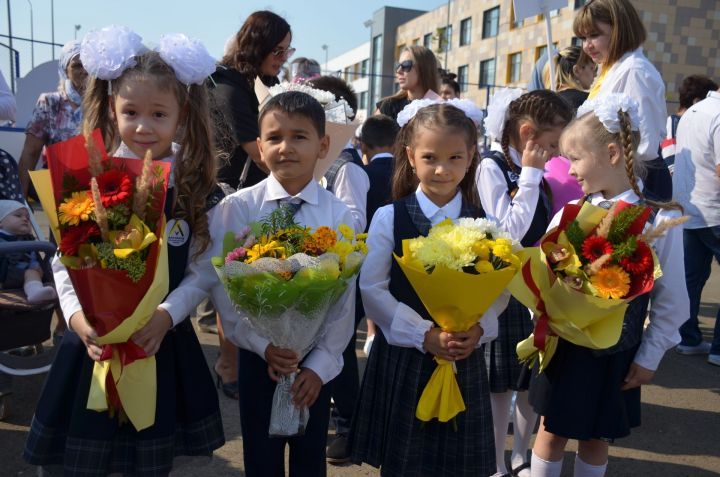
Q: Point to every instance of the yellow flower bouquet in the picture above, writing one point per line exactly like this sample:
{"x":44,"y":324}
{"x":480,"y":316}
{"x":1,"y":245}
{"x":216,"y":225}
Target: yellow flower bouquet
{"x":580,"y":279}
{"x":457,"y":271}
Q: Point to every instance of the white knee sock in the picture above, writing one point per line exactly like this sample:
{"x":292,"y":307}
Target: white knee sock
{"x":583,"y":469}
{"x":500,"y":403}
{"x":37,"y":293}
{"x":544,"y":468}
{"x":523,"y":425}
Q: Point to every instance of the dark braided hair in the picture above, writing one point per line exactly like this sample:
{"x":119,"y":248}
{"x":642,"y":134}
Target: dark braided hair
{"x":545,"y":109}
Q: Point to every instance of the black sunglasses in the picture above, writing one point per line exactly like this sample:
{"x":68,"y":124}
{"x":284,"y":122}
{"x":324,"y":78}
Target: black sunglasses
{"x":404,"y":66}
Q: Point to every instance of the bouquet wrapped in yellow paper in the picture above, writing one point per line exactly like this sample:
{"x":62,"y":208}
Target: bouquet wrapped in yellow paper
{"x":457,"y":271}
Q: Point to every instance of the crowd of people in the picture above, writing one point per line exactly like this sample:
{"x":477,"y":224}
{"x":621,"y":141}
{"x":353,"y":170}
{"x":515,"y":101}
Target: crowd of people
{"x":603,"y":135}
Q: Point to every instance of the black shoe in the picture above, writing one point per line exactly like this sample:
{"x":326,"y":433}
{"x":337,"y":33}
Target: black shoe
{"x":338,"y":452}
{"x":208,"y":324}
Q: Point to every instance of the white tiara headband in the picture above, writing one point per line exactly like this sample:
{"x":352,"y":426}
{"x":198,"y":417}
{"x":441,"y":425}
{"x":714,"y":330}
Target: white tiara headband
{"x":497,"y":111}
{"x":607,"y":108}
{"x":465,"y":105}
{"x":187,"y":57}
{"x":107,"y":52}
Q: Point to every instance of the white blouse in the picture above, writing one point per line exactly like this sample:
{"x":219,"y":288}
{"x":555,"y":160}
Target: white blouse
{"x":401,"y":325}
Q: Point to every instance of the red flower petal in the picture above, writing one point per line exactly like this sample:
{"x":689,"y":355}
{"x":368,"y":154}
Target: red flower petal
{"x":73,"y":237}
{"x":115,"y":187}
{"x":639,"y":262}
{"x":595,"y":247}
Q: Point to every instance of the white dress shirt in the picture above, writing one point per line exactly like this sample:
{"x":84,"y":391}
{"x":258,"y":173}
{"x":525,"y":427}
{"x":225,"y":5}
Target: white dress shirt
{"x":381,"y":155}
{"x":401,"y":325}
{"x":515,"y":215}
{"x":634,"y":75}
{"x":234,"y":212}
{"x":351,"y":187}
{"x":696,"y":184}
{"x":669,"y":303}
{"x":66,"y":293}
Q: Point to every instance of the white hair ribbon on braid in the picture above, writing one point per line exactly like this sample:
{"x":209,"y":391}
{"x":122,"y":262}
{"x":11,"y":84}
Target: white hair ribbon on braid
{"x":497,"y":111}
{"x":607,"y":108}
{"x":187,"y":57}
{"x":465,"y":105}
{"x":107,"y":52}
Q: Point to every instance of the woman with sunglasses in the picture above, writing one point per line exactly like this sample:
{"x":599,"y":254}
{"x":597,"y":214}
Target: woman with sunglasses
{"x":416,"y":74}
{"x":259,"y":49}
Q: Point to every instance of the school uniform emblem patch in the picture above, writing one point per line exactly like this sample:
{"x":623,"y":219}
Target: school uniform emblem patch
{"x":178,"y":232}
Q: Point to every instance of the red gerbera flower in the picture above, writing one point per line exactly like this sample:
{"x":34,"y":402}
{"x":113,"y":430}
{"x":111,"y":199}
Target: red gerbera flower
{"x":115,"y":187}
{"x":595,"y":247}
{"x":639,"y":262}
{"x":73,"y":237}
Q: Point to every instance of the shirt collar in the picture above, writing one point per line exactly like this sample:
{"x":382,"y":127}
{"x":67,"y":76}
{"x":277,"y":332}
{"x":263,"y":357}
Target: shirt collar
{"x":514,"y":154}
{"x":713,"y":94}
{"x":381,"y":155}
{"x":436,"y":214}
{"x":628,"y":196}
{"x":124,"y":151}
{"x":274,"y":191}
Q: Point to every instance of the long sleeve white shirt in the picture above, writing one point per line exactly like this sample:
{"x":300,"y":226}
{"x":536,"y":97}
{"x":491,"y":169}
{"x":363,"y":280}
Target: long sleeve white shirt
{"x":669,"y":303}
{"x":634,"y":75}
{"x":237,"y":210}
{"x":513,"y":214}
{"x":351,"y":187}
{"x":401,"y":325}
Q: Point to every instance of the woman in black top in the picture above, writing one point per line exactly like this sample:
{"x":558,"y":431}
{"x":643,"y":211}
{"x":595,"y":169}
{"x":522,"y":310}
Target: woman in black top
{"x":574,"y":73}
{"x":416,"y":74}
{"x":259,"y":49}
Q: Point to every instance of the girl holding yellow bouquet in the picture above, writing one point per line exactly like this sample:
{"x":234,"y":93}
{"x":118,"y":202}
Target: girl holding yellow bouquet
{"x":594,"y":395}
{"x":140,"y":100}
{"x":433,"y":181}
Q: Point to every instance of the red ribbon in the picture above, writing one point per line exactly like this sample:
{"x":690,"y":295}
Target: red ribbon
{"x":542,"y":325}
{"x":128,"y":352}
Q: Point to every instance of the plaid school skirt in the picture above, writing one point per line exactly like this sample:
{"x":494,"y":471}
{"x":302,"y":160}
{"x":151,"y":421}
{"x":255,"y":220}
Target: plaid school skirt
{"x":385,"y":432}
{"x":90,"y":443}
{"x":504,"y":370}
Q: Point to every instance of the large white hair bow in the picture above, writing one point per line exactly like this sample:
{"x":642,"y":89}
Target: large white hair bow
{"x":107,"y":52}
{"x":606,"y":109}
{"x":187,"y":57}
{"x":497,"y":111}
{"x":465,"y":105}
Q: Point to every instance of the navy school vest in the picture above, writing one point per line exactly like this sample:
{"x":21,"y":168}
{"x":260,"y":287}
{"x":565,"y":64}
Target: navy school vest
{"x":409,"y":222}
{"x":543,"y":209}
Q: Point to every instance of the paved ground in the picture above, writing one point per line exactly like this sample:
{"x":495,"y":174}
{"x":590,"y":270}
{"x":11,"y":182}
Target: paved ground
{"x":679,"y":435}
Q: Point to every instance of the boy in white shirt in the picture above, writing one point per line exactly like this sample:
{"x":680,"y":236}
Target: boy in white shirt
{"x":292,"y":139}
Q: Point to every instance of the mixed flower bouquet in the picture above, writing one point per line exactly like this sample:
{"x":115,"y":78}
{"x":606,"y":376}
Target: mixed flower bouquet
{"x":283,"y":278}
{"x":447,"y":269}
{"x":579,"y":281}
{"x":338,"y":124}
{"x":109,"y":226}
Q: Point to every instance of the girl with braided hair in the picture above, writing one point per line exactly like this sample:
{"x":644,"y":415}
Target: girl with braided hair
{"x":526,"y":130}
{"x":594,"y":395}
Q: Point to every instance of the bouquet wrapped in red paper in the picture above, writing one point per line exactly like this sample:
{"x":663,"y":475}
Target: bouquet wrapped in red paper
{"x":107,"y":215}
{"x":580,"y":279}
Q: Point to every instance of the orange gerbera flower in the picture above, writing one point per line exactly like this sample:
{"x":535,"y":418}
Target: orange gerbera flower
{"x":76,"y":208}
{"x":611,"y":282}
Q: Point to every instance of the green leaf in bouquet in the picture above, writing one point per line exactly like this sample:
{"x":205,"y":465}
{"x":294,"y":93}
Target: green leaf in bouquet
{"x":229,"y":244}
{"x":625,"y":249}
{"x":316,"y":293}
{"x":262,"y":293}
{"x":575,"y":234}
{"x":118,"y":216}
{"x":623,"y":221}
{"x":352,"y":264}
{"x":217,"y":261}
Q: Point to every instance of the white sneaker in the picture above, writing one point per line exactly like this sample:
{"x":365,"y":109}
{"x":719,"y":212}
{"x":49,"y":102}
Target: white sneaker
{"x":368,"y":345}
{"x":714,"y":359}
{"x":702,"y":348}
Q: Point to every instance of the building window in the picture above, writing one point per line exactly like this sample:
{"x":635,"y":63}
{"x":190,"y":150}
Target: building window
{"x":445,"y":35}
{"x":487,"y":72}
{"x":491,"y":22}
{"x":580,"y":3}
{"x":514,"y":67}
{"x":348,"y":75}
{"x":465,"y":31}
{"x":541,"y":51}
{"x":463,"y":77}
{"x":416,"y":41}
{"x":362,"y":101}
{"x":364,"y":68}
{"x":427,"y":41}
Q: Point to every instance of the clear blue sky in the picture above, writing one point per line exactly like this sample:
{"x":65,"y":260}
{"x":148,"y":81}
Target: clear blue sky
{"x":338,"y":23}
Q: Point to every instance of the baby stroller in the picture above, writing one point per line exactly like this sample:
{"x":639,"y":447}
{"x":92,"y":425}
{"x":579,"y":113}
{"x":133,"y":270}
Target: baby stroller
{"x":22,"y":324}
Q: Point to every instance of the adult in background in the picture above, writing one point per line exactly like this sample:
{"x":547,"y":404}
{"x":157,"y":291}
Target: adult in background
{"x":304,"y":69}
{"x":612,"y":35}
{"x":696,"y":182}
{"x":574,"y":74}
{"x":693,"y":88}
{"x":259,"y":49}
{"x":416,"y":73}
{"x":57,"y":115}
{"x":449,"y":88}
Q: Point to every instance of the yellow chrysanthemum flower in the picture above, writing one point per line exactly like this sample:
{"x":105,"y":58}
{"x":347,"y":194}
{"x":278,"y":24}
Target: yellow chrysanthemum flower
{"x":346,"y":232}
{"x":611,"y":282}
{"x":502,"y":248}
{"x":481,"y":249}
{"x":75,"y":209}
{"x":342,"y":249}
{"x":361,"y":247}
{"x":361,"y":236}
{"x":265,"y":249}
{"x":483,"y":266}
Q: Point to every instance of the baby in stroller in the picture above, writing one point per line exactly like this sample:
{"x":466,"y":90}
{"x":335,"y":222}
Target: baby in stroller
{"x":21,"y":269}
